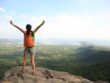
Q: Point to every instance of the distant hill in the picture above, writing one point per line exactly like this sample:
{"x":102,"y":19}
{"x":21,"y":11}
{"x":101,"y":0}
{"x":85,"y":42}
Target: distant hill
{"x":97,"y":60}
{"x":52,"y":41}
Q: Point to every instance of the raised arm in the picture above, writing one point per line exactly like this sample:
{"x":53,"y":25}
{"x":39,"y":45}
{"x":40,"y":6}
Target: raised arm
{"x":11,"y":22}
{"x":39,"y":26}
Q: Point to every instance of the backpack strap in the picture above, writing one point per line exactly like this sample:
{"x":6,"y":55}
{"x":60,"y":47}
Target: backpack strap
{"x":33,"y":34}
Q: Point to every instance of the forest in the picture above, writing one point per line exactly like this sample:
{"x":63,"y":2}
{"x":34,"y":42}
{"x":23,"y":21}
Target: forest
{"x":91,"y":61}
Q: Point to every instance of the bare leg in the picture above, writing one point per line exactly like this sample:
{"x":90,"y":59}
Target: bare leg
{"x":24,"y":62}
{"x":33,"y":63}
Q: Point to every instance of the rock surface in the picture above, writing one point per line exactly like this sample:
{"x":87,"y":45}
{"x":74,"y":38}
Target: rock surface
{"x":42,"y":75}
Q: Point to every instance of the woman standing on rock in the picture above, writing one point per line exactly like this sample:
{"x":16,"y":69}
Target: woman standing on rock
{"x":29,"y":44}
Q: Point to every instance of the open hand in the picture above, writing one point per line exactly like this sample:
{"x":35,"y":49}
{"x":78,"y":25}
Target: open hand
{"x":43,"y":21}
{"x":11,"y":22}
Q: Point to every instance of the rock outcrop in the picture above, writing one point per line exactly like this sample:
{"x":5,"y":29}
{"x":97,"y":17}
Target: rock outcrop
{"x":42,"y":75}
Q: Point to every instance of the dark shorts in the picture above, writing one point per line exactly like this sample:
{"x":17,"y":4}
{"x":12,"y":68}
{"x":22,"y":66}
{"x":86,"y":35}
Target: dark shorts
{"x":29,"y":50}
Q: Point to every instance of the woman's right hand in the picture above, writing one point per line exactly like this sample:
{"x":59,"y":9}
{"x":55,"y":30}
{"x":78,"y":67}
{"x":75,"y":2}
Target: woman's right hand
{"x":11,"y":22}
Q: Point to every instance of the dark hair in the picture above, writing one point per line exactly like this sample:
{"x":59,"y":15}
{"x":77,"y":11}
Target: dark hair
{"x":28,"y":27}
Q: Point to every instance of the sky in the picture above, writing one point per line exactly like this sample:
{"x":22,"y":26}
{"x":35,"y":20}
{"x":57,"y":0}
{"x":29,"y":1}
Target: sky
{"x":65,"y":19}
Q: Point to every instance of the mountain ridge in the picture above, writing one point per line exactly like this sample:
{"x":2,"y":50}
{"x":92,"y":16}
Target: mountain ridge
{"x":42,"y":75}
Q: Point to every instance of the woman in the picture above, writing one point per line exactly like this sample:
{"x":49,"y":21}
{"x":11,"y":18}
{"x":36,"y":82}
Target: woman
{"x":29,"y":44}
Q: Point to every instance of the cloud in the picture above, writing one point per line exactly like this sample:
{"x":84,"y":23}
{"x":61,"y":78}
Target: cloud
{"x":43,"y":17}
{"x":69,"y":26}
{"x":8,"y":17}
{"x":2,"y":9}
{"x":81,"y":27}
{"x":24,"y":17}
{"x":34,"y":18}
{"x":12,"y":12}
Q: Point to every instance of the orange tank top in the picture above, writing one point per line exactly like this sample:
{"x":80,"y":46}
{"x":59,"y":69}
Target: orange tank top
{"x":28,"y":40}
